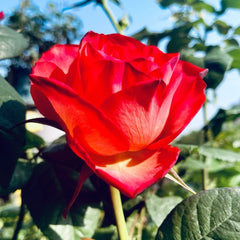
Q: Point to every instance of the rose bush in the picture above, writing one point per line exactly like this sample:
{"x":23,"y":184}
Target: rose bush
{"x":120,"y":103}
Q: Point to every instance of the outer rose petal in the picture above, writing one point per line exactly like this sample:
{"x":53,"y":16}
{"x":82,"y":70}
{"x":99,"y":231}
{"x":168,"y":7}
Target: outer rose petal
{"x":132,"y":172}
{"x":186,"y":102}
{"x":82,"y":121}
{"x":48,"y":70}
{"x":61,"y":55}
{"x":115,"y":45}
{"x":132,"y":51}
{"x":146,"y":59}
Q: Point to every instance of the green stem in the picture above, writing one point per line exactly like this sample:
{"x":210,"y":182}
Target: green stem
{"x":206,"y":138}
{"x":118,"y":211}
{"x":19,"y":222}
{"x":110,"y":15}
{"x":205,"y":178}
{"x":141,"y":223}
{"x":205,"y":118}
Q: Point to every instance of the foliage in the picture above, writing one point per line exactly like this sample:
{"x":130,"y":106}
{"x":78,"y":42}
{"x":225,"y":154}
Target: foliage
{"x":47,"y":174}
{"x":42,"y":30}
{"x":195,"y":23}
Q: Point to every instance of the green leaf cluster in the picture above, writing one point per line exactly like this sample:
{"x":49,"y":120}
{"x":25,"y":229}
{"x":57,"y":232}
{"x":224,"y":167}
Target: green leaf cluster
{"x":195,"y":24}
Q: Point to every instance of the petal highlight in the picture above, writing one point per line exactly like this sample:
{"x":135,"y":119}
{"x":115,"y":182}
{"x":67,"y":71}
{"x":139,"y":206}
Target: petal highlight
{"x":136,"y":112}
{"x":133,"y":172}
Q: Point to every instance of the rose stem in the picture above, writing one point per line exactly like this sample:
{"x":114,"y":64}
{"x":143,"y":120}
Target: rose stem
{"x":206,"y":138}
{"x":118,"y":211}
{"x":110,"y":15}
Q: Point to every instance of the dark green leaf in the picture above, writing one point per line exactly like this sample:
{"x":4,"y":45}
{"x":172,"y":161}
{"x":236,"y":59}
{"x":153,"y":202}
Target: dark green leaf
{"x":12,"y":43}
{"x":200,"y":5}
{"x":230,"y":4}
{"x":200,"y":47}
{"x":179,"y":38}
{"x":192,"y":59}
{"x":105,"y":233}
{"x":166,"y":3}
{"x":12,"y":140}
{"x":176,"y":44}
{"x":21,"y":175}
{"x":218,"y":61}
{"x":131,"y":203}
{"x":222,"y":27}
{"x":221,"y":117}
{"x":158,"y":208}
{"x":47,"y":194}
{"x":212,"y":214}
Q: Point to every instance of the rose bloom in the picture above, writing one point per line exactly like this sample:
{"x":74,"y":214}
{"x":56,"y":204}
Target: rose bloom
{"x":121,"y":103}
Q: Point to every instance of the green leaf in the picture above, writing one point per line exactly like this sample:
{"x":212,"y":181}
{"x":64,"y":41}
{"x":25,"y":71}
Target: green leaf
{"x":33,"y":140}
{"x":166,"y":3}
{"x":218,"y":61}
{"x":231,"y":44}
{"x":12,"y":43}
{"x":237,"y":30}
{"x":177,"y":43}
{"x":221,"y":117}
{"x":221,"y":154}
{"x":230,"y":4}
{"x":131,"y":203}
{"x":187,"y":149}
{"x":200,"y":5}
{"x":188,"y":55}
{"x":105,"y":233}
{"x":212,"y":214}
{"x":158,"y":208}
{"x":235,"y":54}
{"x":47,"y":194}
{"x":222,"y":27}
{"x":12,"y":140}
{"x":21,"y":175}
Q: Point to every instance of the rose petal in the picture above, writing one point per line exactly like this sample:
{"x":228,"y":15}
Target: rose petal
{"x":61,"y":55}
{"x":104,"y":75}
{"x":115,"y":45}
{"x":136,"y":112}
{"x":157,"y":64}
{"x":186,"y":102}
{"x":87,"y":125}
{"x":49,"y":70}
{"x":84,"y":174}
{"x":132,"y":172}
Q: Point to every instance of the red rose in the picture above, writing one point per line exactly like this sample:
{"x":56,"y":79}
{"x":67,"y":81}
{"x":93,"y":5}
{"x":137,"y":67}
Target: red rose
{"x":120,"y":103}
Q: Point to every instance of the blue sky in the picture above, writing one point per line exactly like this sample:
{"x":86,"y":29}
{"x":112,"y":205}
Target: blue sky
{"x":145,"y":13}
